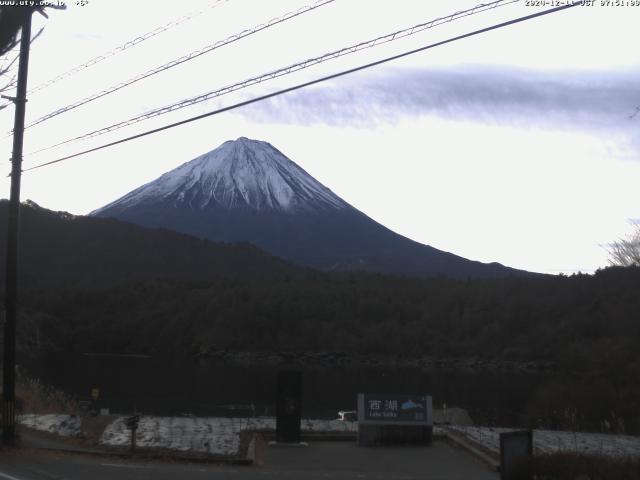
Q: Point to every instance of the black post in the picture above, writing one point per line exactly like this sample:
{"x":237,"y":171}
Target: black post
{"x":288,"y":406}
{"x":133,"y":438}
{"x":11,"y":289}
{"x":132,"y":424}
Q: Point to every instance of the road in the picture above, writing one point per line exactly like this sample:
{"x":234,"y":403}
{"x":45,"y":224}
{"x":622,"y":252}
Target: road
{"x":321,"y":460}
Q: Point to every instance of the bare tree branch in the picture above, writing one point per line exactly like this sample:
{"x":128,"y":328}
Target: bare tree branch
{"x":626,"y":251}
{"x":11,"y":83}
{"x":4,"y":69}
{"x":12,"y":17}
{"x":36,"y":35}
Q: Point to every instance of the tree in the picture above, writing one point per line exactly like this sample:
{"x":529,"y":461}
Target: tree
{"x":626,"y":251}
{"x":12,"y":17}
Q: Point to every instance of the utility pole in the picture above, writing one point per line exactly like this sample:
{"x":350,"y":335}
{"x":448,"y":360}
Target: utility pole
{"x":11,"y":284}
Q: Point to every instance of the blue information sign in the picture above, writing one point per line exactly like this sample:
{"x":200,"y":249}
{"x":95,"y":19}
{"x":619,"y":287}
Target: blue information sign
{"x":394,"y":408}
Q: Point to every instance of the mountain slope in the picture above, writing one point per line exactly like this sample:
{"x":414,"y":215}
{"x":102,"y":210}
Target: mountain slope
{"x":246,"y":190}
{"x":60,"y":249}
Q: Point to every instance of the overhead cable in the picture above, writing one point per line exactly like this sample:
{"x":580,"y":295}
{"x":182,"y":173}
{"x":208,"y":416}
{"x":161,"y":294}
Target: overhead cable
{"x":306,"y":84}
{"x":125,"y":46}
{"x":181,"y":60}
{"x":287,"y":70}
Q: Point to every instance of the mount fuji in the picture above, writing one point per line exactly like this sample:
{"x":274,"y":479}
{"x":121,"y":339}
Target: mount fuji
{"x":247,"y":190}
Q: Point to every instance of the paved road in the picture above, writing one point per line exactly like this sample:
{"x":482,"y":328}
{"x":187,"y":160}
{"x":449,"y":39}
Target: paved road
{"x":321,"y":460}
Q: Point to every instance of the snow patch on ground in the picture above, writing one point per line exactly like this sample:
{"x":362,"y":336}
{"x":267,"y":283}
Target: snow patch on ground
{"x":217,"y":436}
{"x":328,"y":426}
{"x":213,"y":435}
{"x":268,"y":424}
{"x":549,"y":441}
{"x":63,"y":425}
{"x":221,"y":436}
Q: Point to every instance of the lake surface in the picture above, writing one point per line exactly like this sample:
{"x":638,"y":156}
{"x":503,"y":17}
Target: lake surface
{"x":214,"y":387}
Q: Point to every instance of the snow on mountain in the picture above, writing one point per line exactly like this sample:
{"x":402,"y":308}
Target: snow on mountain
{"x":240,"y":174}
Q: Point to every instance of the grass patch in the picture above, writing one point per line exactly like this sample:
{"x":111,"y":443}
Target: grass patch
{"x":33,"y":396}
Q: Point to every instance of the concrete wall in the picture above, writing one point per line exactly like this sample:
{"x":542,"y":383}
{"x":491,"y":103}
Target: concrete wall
{"x":372,"y":435}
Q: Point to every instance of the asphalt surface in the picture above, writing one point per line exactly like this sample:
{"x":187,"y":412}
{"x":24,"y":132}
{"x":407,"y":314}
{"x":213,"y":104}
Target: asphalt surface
{"x":320,"y":460}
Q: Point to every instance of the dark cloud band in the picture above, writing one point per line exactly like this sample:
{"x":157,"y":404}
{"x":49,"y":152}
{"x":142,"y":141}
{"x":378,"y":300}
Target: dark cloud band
{"x":573,"y":100}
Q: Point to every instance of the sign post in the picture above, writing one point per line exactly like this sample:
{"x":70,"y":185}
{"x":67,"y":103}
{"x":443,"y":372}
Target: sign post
{"x":95,"y":395}
{"x":385,"y":419}
{"x":132,"y":424}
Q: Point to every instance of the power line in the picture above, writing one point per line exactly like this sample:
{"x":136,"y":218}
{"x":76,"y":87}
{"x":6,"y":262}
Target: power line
{"x":309,"y":83}
{"x":183,"y":59}
{"x":125,"y":46}
{"x":287,"y":70}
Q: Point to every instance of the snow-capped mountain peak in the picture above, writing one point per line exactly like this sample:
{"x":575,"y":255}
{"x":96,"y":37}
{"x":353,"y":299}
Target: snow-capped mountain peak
{"x":247,"y":191}
{"x":242,"y":173}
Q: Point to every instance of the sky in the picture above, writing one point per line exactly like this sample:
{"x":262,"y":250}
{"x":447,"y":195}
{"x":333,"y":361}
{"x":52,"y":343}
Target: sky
{"x":518,"y":146}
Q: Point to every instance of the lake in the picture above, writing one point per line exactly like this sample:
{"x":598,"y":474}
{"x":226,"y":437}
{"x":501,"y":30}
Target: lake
{"x":215,"y":387}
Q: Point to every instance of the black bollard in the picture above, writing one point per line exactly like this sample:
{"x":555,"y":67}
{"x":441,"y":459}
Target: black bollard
{"x":288,"y":406}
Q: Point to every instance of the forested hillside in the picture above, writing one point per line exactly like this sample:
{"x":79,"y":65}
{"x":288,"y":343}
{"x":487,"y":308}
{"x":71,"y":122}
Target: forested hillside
{"x":58,"y":249}
{"x":98,"y":285}
{"x":587,"y":325}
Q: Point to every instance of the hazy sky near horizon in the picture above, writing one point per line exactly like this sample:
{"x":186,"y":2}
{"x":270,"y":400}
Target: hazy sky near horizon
{"x":518,"y":146}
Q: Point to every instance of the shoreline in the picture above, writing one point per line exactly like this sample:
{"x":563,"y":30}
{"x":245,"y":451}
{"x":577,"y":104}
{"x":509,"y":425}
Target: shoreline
{"x":342,"y":359}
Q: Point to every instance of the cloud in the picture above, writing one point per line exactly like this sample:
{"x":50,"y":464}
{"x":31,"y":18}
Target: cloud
{"x":595,"y":101}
